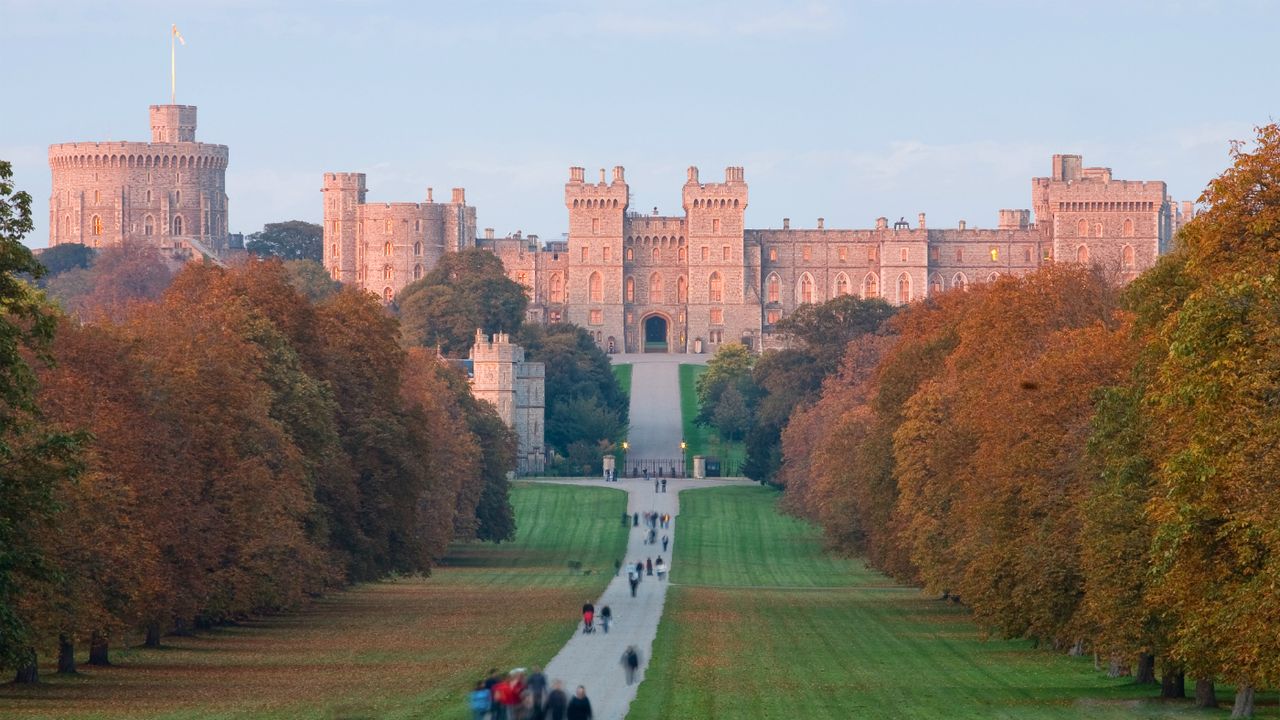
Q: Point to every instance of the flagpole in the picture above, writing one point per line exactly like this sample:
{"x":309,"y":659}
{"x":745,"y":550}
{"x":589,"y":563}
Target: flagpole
{"x":173,"y":68}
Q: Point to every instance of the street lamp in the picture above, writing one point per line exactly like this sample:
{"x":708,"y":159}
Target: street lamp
{"x":625,"y":446}
{"x":683,"y":468}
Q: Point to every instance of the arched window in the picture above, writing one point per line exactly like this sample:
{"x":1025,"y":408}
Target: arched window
{"x":655,"y":288}
{"x":1082,"y":228}
{"x":959,"y":281}
{"x":629,"y":287}
{"x":682,"y":289}
{"x":1082,"y":254}
{"x":149,"y":226}
{"x":1128,"y":227}
{"x":1097,"y":230}
{"x":596,"y":287}
{"x":386,"y":273}
{"x":715,"y":288}
{"x":177,"y":198}
{"x":993,"y":277}
{"x":806,"y":289}
{"x":682,"y":254}
{"x":387,"y":295}
{"x":386,"y":248}
{"x":177,"y":225}
{"x":870,"y":286}
{"x":631,"y":255}
{"x":904,"y":288}
{"x":1126,"y":257}
{"x":557,"y":289}
{"x":773,"y":254}
{"x":96,"y":224}
{"x":657,"y":253}
{"x":417,"y":272}
{"x":772,"y":288}
{"x":935,"y":284}
{"x":417,"y":249}
{"x":842,"y":285}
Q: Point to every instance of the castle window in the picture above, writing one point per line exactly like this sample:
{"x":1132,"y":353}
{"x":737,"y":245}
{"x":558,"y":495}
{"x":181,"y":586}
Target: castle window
{"x":655,"y":288}
{"x":715,"y":226}
{"x":682,"y":290}
{"x":597,"y":317}
{"x":584,"y":253}
{"x":706,"y":253}
{"x":714,"y":287}
{"x":806,"y":289}
{"x":724,"y":252}
{"x":772,"y":288}
{"x":417,"y":249}
{"x":717,"y":316}
{"x":1097,"y":230}
{"x":522,"y":277}
{"x":843,"y":253}
{"x":959,"y":255}
{"x":1128,"y":227}
{"x":417,"y":225}
{"x":97,"y":197}
{"x":177,"y":194}
{"x":386,"y":273}
{"x":870,"y":286}
{"x":630,"y":286}
{"x":1126,"y":257}
{"x":417,"y":272}
{"x":148,"y":226}
{"x":1082,"y":254}
{"x":1047,"y":254}
{"x":631,"y":254}
{"x":606,"y":253}
{"x":596,"y":287}
{"x":148,"y":197}
{"x":773,"y":254}
{"x":959,"y":281}
{"x":386,"y":249}
{"x":557,"y":289}
{"x":772,"y":316}
{"x":995,"y":254}
{"x":595,"y":226}
{"x":387,"y":294}
{"x":387,"y":226}
{"x":681,"y":254}
{"x":807,"y":253}
{"x":904,"y":288}
{"x":1082,"y":228}
{"x":96,"y":225}
{"x":657,"y":254}
{"x":177,"y":225}
{"x":842,"y":285}
{"x":935,"y":285}
{"x":333,"y":249}
{"x":1026,"y":255}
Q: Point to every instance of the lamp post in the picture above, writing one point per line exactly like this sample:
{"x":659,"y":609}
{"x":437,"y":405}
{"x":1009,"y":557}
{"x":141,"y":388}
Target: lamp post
{"x":625,"y":445}
{"x":684,"y":470}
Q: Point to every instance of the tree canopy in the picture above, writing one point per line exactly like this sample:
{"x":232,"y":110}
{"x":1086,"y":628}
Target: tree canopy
{"x":289,"y":240}
{"x":467,"y":290}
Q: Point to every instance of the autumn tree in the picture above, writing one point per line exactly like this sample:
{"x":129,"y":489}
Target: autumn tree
{"x":467,"y":291}
{"x":289,"y":240}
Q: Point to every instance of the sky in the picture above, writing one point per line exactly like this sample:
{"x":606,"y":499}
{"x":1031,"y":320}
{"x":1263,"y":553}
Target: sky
{"x":842,"y":110}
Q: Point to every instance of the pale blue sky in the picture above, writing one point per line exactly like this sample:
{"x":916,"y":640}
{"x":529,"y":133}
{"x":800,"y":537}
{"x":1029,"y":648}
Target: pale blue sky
{"x":846,"y":110}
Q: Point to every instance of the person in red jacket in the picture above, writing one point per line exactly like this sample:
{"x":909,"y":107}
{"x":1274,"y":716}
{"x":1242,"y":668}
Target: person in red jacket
{"x":588,"y":614}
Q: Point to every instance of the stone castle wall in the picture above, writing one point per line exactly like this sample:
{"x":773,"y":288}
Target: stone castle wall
{"x":516,"y":388}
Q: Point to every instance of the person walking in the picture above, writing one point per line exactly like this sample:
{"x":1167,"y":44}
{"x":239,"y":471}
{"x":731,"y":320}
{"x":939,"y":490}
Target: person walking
{"x":664,"y":484}
{"x":480,"y":700}
{"x":648,"y":566}
{"x":631,"y":663}
{"x":633,"y":579}
{"x":635,"y":520}
{"x":606,"y":617}
{"x":661,"y":568}
{"x":557,"y":701}
{"x":665,"y":539}
{"x":579,"y":706}
{"x":537,"y":687}
{"x":655,"y":486}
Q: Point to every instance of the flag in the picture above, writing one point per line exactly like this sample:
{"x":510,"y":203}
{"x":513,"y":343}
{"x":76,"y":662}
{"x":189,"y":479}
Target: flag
{"x":178,"y":35}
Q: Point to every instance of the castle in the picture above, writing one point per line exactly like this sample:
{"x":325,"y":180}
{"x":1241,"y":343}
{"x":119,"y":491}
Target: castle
{"x":691,"y":282}
{"x":169,"y":193}
{"x":501,"y":376}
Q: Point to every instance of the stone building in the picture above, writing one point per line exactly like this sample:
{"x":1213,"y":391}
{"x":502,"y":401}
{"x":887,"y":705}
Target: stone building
{"x":501,"y":376}
{"x":169,"y":193}
{"x":691,"y":282}
{"x":383,"y":247}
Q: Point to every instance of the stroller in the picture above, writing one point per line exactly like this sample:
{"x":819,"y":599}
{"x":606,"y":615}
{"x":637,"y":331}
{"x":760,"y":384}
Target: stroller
{"x":588,"y":624}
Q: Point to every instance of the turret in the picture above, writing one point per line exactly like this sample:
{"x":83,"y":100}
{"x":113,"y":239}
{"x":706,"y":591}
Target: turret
{"x":173,"y":123}
{"x":343,"y":193}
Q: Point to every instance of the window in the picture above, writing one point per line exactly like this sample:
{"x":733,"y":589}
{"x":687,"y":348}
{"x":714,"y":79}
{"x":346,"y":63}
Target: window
{"x":843,"y":253}
{"x":597,"y":317}
{"x":657,"y":254}
{"x":522,"y":277}
{"x":959,"y":255}
{"x":842,"y":285}
{"x":555,"y":316}
{"x":1047,"y":253}
{"x":655,"y":288}
{"x":387,"y":227}
{"x":417,"y":249}
{"x":387,"y":294}
{"x":97,"y":197}
{"x":806,"y":252}
{"x":773,"y":254}
{"x":715,"y":226}
{"x":386,"y":272}
{"x":772,"y":289}
{"x":681,"y":254}
{"x":148,"y":226}
{"x":715,"y":336}
{"x":724,"y":252}
{"x":96,"y":225}
{"x":584,"y":253}
{"x":177,"y":198}
{"x":1126,"y":257}
{"x":706,"y":253}
{"x":773,"y":316}
{"x":935,"y":285}
{"x":714,"y":288}
{"x":1082,"y":228}
{"x":631,"y":255}
{"x":959,"y":281}
{"x":596,"y":287}
{"x":904,"y":288}
{"x":630,"y":289}
{"x":682,"y":290}
{"x":177,"y":225}
{"x":386,"y":249}
{"x":995,"y":254}
{"x":717,"y":316}
{"x":606,"y":253}
{"x":1082,"y":254}
{"x":806,"y":289}
{"x":902,"y":255}
{"x":595,"y":226}
{"x":417,"y":225}
{"x":557,"y":289}
{"x":870,"y":286}
{"x":148,"y":197}
{"x":1128,"y":227}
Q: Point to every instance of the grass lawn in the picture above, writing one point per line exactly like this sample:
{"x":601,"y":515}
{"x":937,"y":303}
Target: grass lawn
{"x":622,"y":373}
{"x":760,"y":623}
{"x":703,"y":440}
{"x":397,"y":649}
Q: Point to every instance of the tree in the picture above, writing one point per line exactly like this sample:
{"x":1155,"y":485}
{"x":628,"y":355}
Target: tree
{"x":291,"y":240}
{"x":731,"y":417}
{"x":311,"y":279}
{"x":67,"y":256}
{"x":118,"y":277}
{"x":467,"y":291}
{"x":826,"y":329}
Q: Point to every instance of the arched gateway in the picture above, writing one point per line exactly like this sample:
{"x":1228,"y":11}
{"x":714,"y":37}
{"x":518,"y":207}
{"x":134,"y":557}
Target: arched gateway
{"x":656,"y":334}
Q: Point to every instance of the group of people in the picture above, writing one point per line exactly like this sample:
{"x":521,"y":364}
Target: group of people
{"x":636,"y":572}
{"x":521,"y":696}
{"x":589,"y":618}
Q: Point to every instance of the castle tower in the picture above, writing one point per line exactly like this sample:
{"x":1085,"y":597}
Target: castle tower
{"x":501,"y":376}
{"x":169,"y":193}
{"x":724,"y":283}
{"x":343,"y":193}
{"x":593,"y":288}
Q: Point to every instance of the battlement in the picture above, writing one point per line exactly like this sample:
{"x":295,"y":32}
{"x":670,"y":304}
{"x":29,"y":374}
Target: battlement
{"x":580,"y":194}
{"x":1014,"y":219}
{"x":173,"y":123}
{"x":345,"y":180}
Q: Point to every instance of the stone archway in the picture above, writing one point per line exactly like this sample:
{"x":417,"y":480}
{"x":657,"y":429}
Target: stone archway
{"x":656,"y":331}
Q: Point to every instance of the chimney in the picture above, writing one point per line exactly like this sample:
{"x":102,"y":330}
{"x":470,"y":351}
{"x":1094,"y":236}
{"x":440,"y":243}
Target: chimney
{"x":601,"y":176}
{"x":617,"y":173}
{"x":693,"y":174}
{"x":429,"y":195}
{"x":488,"y":233}
{"x":575,"y":174}
{"x":961,"y":224}
{"x":820,"y":223}
{"x":882,"y":223}
{"x":786,"y":223}
{"x":459,"y":196}
{"x":922,"y":221}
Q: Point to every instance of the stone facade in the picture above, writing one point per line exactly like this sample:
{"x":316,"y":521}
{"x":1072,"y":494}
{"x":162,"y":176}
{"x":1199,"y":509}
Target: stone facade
{"x":382,"y":247}
{"x":516,"y":388}
{"x":691,"y":282}
{"x":169,"y":193}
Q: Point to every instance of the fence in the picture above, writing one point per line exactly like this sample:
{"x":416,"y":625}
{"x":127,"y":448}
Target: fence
{"x":675,"y":468}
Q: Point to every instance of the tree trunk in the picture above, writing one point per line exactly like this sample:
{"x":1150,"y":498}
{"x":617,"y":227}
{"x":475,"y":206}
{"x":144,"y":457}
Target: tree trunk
{"x":28,"y":671}
{"x":66,"y":655}
{"x":99,"y":649}
{"x":1173,"y":684}
{"x":1077,"y":650}
{"x":1206,"y":696}
{"x":1244,"y":702}
{"x":153,"y":635}
{"x":1146,"y":669}
{"x":1118,"y":668}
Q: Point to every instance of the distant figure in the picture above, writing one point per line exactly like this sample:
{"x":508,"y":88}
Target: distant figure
{"x":665,"y":540}
{"x":617,"y":564}
{"x":579,"y":706}
{"x":557,"y":701}
{"x":588,"y":614}
{"x":648,"y":566}
{"x":537,"y":690}
{"x":635,"y":521}
{"x":661,"y":568}
{"x":639,"y":568}
{"x":631,"y":663}
{"x":480,"y":700}
{"x":664,"y":484}
{"x":633,"y":578}
{"x":606,"y":617}
{"x":655,"y":485}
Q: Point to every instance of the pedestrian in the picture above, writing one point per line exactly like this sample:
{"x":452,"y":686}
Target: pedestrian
{"x":537,"y":690}
{"x":631,"y":663}
{"x":664,"y":484}
{"x":606,"y":617}
{"x":640,"y":569}
{"x":556,"y":701}
{"x":617,"y":564}
{"x":634,"y":580}
{"x":661,"y":568}
{"x":665,"y":540}
{"x":579,"y":706}
{"x":480,"y":700}
{"x":655,"y":486}
{"x":648,"y":566}
{"x":635,"y":521}
{"x":653,"y":537}
{"x":588,"y":614}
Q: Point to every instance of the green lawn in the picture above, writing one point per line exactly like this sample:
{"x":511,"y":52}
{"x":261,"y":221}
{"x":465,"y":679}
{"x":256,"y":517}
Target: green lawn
{"x":622,"y":373}
{"x":760,"y":623}
{"x":397,"y":649}
{"x":703,"y":440}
